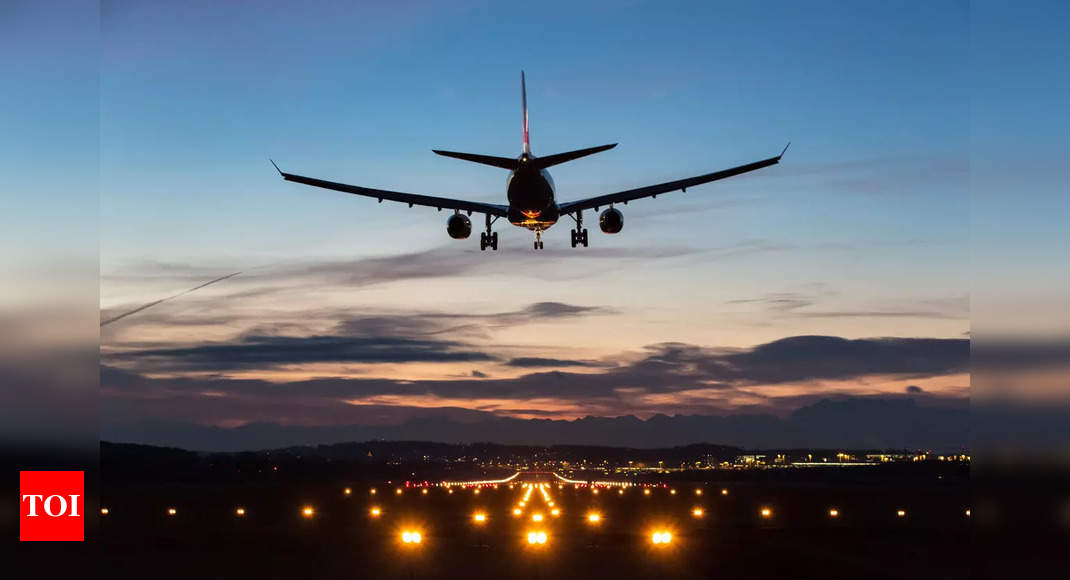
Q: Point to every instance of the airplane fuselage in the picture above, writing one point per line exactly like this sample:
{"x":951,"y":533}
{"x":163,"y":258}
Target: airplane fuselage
{"x":532,"y":203}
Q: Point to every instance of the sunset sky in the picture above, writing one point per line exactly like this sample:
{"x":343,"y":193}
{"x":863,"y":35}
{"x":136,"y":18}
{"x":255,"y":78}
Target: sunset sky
{"x":713,"y":301}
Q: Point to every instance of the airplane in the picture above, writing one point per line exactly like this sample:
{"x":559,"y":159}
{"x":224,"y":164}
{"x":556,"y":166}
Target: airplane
{"x":531,"y":193}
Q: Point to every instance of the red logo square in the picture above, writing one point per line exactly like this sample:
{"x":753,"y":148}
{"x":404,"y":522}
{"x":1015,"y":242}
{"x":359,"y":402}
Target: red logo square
{"x":51,"y":506}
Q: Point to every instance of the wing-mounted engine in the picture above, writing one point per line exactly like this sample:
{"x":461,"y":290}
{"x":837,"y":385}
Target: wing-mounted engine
{"x":458,"y":226}
{"x":611,"y":221}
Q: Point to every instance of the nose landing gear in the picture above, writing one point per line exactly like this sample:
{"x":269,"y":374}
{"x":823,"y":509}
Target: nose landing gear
{"x":488,"y":239}
{"x":538,"y":239}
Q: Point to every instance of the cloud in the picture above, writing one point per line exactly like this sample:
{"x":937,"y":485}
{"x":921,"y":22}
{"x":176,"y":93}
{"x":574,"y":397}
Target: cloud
{"x":528,"y":362}
{"x":914,"y":389}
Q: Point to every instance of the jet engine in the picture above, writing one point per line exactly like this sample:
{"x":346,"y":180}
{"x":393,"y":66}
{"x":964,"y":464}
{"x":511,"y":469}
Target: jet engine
{"x":459,"y":226}
{"x":611,"y":221}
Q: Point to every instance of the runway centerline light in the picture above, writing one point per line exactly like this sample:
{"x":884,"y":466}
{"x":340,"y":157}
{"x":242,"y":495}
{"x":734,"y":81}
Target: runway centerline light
{"x":724,"y":491}
{"x":517,"y":512}
{"x":372,"y":491}
{"x":555,"y":512}
{"x":424,"y":491}
{"x":672,"y":492}
{"x":698,"y":492}
{"x":967,"y":512}
{"x":646,"y":492}
{"x":536,"y":517}
{"x":661,"y":538}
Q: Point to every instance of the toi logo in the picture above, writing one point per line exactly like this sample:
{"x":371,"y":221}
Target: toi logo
{"x":51,"y":506}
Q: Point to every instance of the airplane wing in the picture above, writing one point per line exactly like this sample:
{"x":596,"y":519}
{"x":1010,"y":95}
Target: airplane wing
{"x":409,"y":198}
{"x":655,"y":190}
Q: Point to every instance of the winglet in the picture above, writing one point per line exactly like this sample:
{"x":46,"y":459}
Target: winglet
{"x":784,"y":151}
{"x":276,"y":166}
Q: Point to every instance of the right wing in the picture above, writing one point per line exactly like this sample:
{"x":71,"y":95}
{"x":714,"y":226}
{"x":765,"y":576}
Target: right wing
{"x":409,"y":198}
{"x":655,"y":190}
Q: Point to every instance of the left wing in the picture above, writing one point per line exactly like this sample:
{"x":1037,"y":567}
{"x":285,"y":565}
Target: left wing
{"x":409,"y":198}
{"x":655,"y":190}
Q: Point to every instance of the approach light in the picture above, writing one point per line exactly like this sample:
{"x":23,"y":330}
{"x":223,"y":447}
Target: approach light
{"x":348,"y":491}
{"x":411,"y":537}
{"x":171,"y":511}
{"x":767,"y":513}
{"x":536,"y":538}
{"x":476,"y":491}
{"x":646,"y":492}
{"x":834,"y":513}
{"x":555,"y":512}
{"x":594,"y":517}
{"x":517,"y":512}
{"x":594,"y":490}
{"x":424,"y":491}
{"x":308,"y":511}
{"x":698,"y":492}
{"x":967,"y":512}
{"x":697,"y":512}
{"x":375,"y":512}
{"x":104,"y":511}
{"x":661,"y":538}
{"x":239,"y":512}
{"x":672,"y":492}
{"x":372,"y":491}
{"x":398,"y":491}
{"x":536,"y":517}
{"x":724,"y":491}
{"x":479,"y":517}
{"x":620,"y":492}
{"x":901,"y":513}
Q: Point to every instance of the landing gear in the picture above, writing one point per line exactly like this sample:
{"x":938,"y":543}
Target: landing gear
{"x":579,"y":235}
{"x":538,"y":239}
{"x":488,"y":239}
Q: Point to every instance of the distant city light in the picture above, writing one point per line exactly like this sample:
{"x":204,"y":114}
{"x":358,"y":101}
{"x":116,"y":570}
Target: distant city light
{"x":375,"y":512}
{"x":697,"y":512}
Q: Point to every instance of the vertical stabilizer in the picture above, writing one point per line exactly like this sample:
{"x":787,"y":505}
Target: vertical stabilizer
{"x":524,"y":102}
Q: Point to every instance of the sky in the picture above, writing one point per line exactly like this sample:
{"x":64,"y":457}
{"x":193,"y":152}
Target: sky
{"x":842,"y":272}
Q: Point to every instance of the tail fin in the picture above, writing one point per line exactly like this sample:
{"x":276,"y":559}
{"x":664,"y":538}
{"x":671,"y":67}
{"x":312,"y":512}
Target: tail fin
{"x":524,"y":102}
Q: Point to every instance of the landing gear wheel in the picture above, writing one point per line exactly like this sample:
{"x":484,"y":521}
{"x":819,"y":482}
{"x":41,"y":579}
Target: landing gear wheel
{"x":579,"y":237}
{"x":488,"y":240}
{"x":494,"y":241}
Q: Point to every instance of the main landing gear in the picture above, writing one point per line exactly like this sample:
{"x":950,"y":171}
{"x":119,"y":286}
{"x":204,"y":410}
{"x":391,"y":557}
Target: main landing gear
{"x":488,"y":239}
{"x":579,"y":235}
{"x":538,"y":239}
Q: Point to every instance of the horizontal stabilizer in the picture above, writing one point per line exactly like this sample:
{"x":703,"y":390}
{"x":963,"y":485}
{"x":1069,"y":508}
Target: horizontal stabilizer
{"x":503,"y":162}
{"x":551,"y":160}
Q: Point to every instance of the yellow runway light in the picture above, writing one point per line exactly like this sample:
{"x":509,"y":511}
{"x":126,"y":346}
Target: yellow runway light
{"x":308,"y":512}
{"x":536,"y":538}
{"x":479,"y":517}
{"x":536,"y":517}
{"x":411,"y":537}
{"x":594,"y":517}
{"x":697,"y":512}
{"x":661,"y":538}
{"x":375,"y":512}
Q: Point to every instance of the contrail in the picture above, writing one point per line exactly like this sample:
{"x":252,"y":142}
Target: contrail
{"x":154,"y":303}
